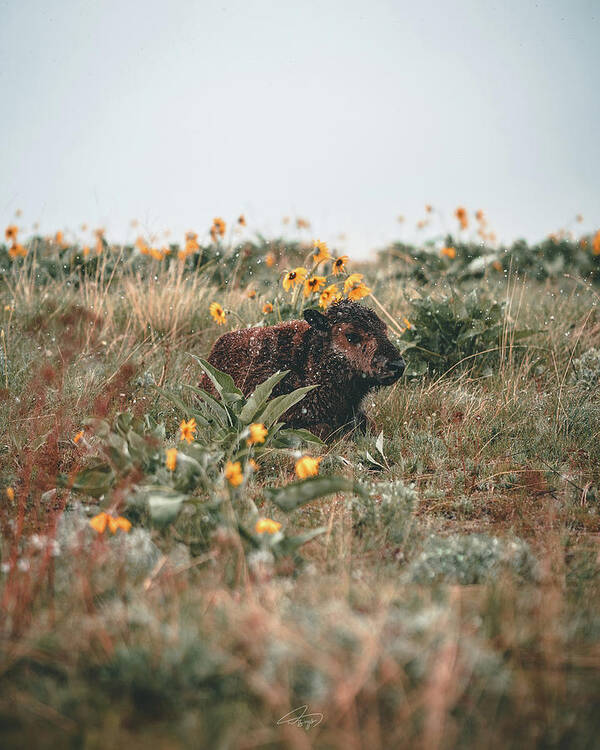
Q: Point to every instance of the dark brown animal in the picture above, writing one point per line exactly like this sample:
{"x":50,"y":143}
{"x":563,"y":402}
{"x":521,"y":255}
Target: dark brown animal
{"x":345,"y":351}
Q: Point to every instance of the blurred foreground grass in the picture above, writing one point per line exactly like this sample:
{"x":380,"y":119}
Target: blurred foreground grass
{"x":456,"y":603}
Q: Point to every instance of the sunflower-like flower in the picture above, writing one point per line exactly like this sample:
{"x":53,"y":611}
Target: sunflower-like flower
{"x":11,"y":232}
{"x":267,"y":526}
{"x":16,"y":250}
{"x":461,"y":215}
{"x":258,"y":433}
{"x":596,"y":243}
{"x":267,"y":308}
{"x":351,"y":281}
{"x":320,"y":252}
{"x":339,"y":265}
{"x":294,"y":277}
{"x":307,"y":466}
{"x":329,"y":295}
{"x":219,"y":226}
{"x":251,"y":293}
{"x":358,"y":292}
{"x":102,"y":520}
{"x":449,"y":252}
{"x":233,"y":473}
{"x":242,"y":220}
{"x":269,"y":260}
{"x":313,"y":284}
{"x":217,"y":313}
{"x":187,"y":430}
{"x":171,"y":458}
{"x":479,"y":215}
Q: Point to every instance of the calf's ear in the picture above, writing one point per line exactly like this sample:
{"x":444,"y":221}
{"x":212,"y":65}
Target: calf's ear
{"x":316,"y":319}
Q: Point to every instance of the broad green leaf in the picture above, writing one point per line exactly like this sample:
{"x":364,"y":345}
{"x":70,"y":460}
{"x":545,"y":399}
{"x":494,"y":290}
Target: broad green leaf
{"x":299,"y":493}
{"x":220,"y":412}
{"x":300,"y":435}
{"x":279,"y":405}
{"x":164,"y":504}
{"x":260,"y":397}
{"x":95,"y":480}
{"x":289,"y":544}
{"x":223,"y":382}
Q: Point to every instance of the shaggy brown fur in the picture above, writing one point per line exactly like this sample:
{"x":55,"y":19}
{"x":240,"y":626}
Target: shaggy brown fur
{"x":345,"y":351}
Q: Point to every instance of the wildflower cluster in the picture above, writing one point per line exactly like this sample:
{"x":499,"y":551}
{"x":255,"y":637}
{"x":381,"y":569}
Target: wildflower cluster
{"x":315,"y":285}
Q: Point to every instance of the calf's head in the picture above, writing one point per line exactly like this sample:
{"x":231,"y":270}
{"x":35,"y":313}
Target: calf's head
{"x":358,"y":337}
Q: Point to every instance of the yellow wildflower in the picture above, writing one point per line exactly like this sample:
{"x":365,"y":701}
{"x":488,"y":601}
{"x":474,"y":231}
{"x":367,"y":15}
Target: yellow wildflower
{"x":258,"y":433}
{"x":242,"y":220}
{"x":596,"y":243}
{"x":461,"y":215}
{"x":407,"y":323}
{"x":11,"y":232}
{"x":217,"y":313}
{"x":269,"y":260}
{"x":267,"y":308}
{"x":329,"y":295}
{"x":302,"y":223}
{"x":253,"y":464}
{"x":313,"y":284}
{"x":352,"y":280}
{"x":358,"y":292}
{"x":86,"y":251}
{"x":320,"y":253}
{"x":102,"y":520}
{"x":294,"y":277}
{"x":497,"y":265}
{"x":307,"y":467}
{"x":233,"y":473}
{"x":156,"y":254}
{"x":449,"y":252}
{"x":188,"y":430}
{"x":251,"y":293}
{"x":78,"y":437}
{"x":171,"y":458}
{"x":267,"y":525}
{"x":17,"y":250}
{"x":479,"y":215}
{"x":10,"y":493}
{"x":339,"y":264}
{"x":428,"y":208}
{"x":219,"y":226}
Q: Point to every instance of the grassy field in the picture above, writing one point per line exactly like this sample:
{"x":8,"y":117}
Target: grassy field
{"x":435,"y":585}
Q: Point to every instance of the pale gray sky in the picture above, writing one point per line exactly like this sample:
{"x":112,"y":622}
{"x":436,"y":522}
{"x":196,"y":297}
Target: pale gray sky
{"x":348,"y":113}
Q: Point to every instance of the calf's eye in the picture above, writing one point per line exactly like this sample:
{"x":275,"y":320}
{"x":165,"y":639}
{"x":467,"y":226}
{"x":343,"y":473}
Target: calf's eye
{"x":353,"y":338}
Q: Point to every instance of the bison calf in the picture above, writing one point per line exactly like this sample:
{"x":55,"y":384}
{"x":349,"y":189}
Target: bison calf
{"x":345,"y":351}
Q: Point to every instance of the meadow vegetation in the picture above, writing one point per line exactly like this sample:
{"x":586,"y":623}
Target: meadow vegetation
{"x":182,"y":570}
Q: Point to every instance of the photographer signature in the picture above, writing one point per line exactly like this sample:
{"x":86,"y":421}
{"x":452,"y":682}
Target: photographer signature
{"x":298,"y":717}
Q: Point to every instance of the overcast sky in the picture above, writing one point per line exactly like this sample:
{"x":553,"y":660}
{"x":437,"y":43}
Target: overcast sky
{"x":346,"y":113}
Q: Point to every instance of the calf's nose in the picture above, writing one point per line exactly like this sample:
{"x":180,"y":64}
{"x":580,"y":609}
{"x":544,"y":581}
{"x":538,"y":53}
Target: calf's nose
{"x":397,"y":366}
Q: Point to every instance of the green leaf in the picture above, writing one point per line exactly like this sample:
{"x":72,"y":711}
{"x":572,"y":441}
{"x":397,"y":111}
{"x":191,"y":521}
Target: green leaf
{"x":219,"y":411}
{"x":96,"y":480}
{"x":226,"y":388}
{"x":260,"y":397}
{"x":300,"y":435}
{"x":279,"y":405}
{"x":289,"y":544}
{"x":299,"y":493}
{"x":164,"y":504}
